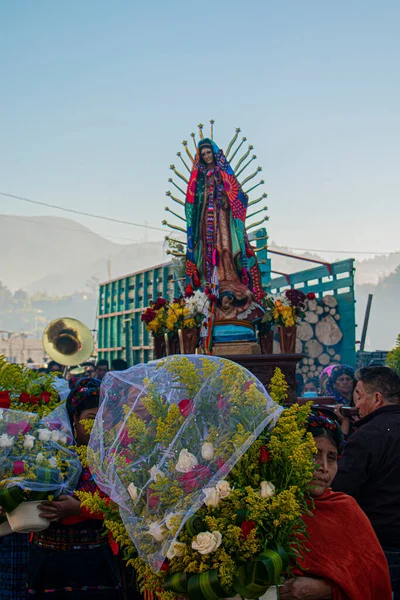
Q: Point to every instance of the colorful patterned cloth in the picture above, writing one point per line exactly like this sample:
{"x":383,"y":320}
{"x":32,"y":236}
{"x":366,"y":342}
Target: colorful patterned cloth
{"x":85,"y":388}
{"x":13,"y":565}
{"x":200,"y":261}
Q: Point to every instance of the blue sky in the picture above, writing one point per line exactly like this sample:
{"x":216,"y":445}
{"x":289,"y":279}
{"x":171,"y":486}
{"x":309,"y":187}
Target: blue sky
{"x":95,"y":98}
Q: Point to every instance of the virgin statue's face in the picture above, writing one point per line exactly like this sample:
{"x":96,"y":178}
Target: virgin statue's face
{"x":207,"y":156}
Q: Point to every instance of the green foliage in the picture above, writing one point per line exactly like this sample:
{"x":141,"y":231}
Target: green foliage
{"x":393,"y":358}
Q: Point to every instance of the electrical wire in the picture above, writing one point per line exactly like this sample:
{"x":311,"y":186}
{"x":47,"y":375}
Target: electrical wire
{"x":105,"y":218}
{"x":79,"y":212}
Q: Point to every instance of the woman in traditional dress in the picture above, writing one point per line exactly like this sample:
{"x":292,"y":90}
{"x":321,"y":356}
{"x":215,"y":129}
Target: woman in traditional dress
{"x":72,"y":559}
{"x":340,"y":384}
{"x":342,"y":558}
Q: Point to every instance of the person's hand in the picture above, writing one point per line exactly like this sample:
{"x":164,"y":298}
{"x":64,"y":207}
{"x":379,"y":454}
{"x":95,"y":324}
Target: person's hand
{"x":64,"y":506}
{"x":344,"y":421}
{"x":305,"y":588}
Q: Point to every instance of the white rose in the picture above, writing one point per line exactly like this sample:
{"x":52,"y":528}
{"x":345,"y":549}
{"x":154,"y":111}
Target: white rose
{"x":186,"y":461}
{"x":53,"y":461}
{"x":175,"y":549}
{"x":62,"y":438}
{"x":40,"y":458}
{"x":155,"y":473}
{"x":207,"y":542}
{"x":267,"y":489}
{"x":54,"y":436}
{"x":5,"y":441}
{"x":212,"y":497}
{"x":133,"y":491}
{"x":207,"y":451}
{"x":29,"y":441}
{"x":158,"y":531}
{"x":223,"y":488}
{"x":44,"y":435}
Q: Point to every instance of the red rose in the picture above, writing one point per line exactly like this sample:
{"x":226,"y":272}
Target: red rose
{"x":207,"y":291}
{"x":24,"y":397}
{"x":148,"y":315}
{"x":164,"y":567}
{"x":186,"y":407}
{"x":152,"y":499}
{"x":247,"y":527}
{"x":189,"y":291}
{"x":212,"y":298}
{"x":195,"y":478}
{"x":247,"y":385}
{"x":5,"y":399}
{"x":34,"y":400}
{"x":264,"y":455}
{"x":160,"y":302}
{"x":45,"y":397}
{"x":311,"y":296}
{"x":18,"y":467}
{"x":125,"y":440}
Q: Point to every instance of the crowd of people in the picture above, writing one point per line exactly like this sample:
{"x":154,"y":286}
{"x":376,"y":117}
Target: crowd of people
{"x":353,"y":543}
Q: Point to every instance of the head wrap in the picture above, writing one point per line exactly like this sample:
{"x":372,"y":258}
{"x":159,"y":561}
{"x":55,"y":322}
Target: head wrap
{"x":86,"y":388}
{"x":336,"y":372}
{"x":320,"y":424}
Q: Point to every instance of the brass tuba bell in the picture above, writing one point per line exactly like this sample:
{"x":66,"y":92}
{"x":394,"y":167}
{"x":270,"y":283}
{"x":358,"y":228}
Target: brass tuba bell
{"x":68,"y":341}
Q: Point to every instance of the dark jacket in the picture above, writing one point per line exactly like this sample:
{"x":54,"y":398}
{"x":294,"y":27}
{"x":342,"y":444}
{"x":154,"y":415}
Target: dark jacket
{"x":369,"y":470}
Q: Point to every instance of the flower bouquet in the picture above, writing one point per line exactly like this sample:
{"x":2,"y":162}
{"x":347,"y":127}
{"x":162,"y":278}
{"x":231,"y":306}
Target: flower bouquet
{"x":23,"y":389}
{"x":289,"y":307}
{"x":176,"y":325}
{"x":210,"y":494}
{"x":35,"y":464}
{"x":155,"y":319}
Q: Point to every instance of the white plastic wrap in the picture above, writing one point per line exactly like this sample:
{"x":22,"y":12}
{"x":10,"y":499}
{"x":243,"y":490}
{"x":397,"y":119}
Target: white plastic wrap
{"x":168,"y":430}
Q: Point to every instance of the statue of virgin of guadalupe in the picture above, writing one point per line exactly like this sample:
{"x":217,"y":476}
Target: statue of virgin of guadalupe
{"x":219,"y":255}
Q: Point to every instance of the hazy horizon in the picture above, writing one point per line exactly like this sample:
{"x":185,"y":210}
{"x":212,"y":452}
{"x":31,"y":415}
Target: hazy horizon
{"x":95,"y":104}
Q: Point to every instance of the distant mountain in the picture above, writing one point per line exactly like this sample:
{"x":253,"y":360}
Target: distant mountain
{"x":61,"y":257}
{"x":58,"y":255}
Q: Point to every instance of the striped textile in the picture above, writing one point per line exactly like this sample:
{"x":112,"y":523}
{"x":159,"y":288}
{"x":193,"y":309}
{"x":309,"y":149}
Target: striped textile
{"x":13,"y":565}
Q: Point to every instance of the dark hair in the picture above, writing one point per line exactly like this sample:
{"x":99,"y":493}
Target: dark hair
{"x":342,"y":370}
{"x":383,"y":380}
{"x":102,"y":363}
{"x":84,"y":395}
{"x":52,"y":364}
{"x":321,"y":425}
{"x":119,"y":364}
{"x":88,"y":364}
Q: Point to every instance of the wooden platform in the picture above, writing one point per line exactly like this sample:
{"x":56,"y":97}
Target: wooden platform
{"x":264,"y":365}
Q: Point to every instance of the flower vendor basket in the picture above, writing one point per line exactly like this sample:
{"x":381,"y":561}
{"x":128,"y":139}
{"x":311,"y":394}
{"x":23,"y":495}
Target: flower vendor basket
{"x":159,"y":346}
{"x":287,"y":338}
{"x":25,"y":518}
{"x":266,"y":341}
{"x":189,"y":340}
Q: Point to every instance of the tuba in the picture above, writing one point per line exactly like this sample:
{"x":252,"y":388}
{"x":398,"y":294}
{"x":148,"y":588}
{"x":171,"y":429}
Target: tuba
{"x":68,"y":341}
